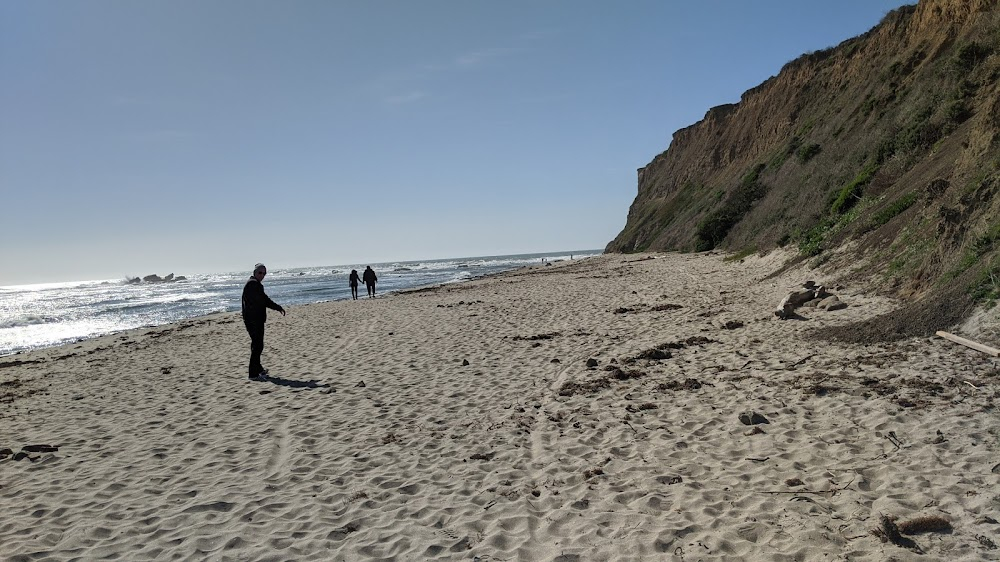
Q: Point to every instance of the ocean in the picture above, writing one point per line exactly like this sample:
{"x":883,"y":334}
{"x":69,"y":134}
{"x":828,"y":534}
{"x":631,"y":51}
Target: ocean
{"x":38,"y":316}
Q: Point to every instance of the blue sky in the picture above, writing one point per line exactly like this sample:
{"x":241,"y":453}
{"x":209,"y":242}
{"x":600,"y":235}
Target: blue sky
{"x":191,"y":136}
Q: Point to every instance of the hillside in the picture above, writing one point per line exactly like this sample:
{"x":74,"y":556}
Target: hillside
{"x":879,"y":157}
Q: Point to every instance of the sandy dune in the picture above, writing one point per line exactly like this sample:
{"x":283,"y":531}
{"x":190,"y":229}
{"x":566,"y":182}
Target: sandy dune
{"x":464,"y":423}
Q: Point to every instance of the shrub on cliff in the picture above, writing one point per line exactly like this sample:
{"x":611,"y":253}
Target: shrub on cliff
{"x":851,"y":192}
{"x":714,"y":228}
{"x":807,"y":152}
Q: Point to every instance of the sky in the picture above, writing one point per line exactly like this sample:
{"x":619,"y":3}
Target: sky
{"x":190,"y":137}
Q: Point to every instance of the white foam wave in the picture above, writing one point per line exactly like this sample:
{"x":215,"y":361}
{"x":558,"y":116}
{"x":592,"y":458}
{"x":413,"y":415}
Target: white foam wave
{"x":26,"y":320}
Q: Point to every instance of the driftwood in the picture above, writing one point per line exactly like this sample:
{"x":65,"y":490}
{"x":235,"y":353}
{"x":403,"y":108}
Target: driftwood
{"x":969,"y":343}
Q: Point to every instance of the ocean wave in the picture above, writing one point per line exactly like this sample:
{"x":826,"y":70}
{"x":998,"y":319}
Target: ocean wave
{"x":27,"y":320}
{"x":62,"y":312}
{"x":315,"y":290}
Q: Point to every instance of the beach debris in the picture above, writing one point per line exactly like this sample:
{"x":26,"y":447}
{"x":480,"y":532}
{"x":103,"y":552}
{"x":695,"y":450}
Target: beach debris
{"x":641,"y":407}
{"x":341,"y":533}
{"x":792,"y":482}
{"x":643,"y":307}
{"x":925,"y":524}
{"x":554,"y":361}
{"x":732,"y":325}
{"x":591,"y":363}
{"x":698,"y":340}
{"x":25,"y":452}
{"x":619,"y":374}
{"x":831,"y":302}
{"x":669,"y":480}
{"x":483,"y":456}
{"x":811,"y":295}
{"x":791,"y":367}
{"x":896,"y":441}
{"x":360,"y":384}
{"x":986,"y":542}
{"x":969,"y":343}
{"x":595,"y":385}
{"x":17,"y":362}
{"x":659,"y":352}
{"x":655,"y":354}
{"x":688,"y":384}
{"x":756,"y":430}
{"x":40,"y":448}
{"x":592,"y":472}
{"x":820,"y":389}
{"x":546,"y":336}
{"x":752,"y":418}
{"x":465,"y":362}
{"x":888,"y":531}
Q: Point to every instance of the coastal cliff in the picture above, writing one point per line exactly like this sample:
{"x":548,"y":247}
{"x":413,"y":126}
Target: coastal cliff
{"x":884,"y":149}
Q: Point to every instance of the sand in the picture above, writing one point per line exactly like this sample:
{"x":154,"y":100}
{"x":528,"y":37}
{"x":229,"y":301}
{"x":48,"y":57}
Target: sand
{"x":587,"y":410}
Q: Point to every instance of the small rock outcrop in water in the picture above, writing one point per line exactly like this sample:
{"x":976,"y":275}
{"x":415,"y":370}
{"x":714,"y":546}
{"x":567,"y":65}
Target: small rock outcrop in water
{"x":154,"y":278}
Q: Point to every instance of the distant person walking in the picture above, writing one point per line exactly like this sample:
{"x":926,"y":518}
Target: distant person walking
{"x":370,"y":280}
{"x":254,"y":305}
{"x":355,"y":278}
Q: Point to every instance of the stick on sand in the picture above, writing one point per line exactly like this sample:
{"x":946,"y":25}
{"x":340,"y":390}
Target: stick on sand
{"x":969,"y":343}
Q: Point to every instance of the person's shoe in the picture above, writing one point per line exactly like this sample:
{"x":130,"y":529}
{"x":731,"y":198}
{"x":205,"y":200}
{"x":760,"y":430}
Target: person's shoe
{"x":259,"y":377}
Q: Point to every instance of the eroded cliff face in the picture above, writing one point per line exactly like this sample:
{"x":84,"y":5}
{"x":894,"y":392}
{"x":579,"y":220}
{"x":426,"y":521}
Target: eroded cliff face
{"x":889,"y":140}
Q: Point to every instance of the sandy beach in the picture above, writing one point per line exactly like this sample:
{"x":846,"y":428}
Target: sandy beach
{"x":586,"y":410}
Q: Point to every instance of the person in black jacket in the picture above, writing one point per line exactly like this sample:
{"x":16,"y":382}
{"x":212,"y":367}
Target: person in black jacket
{"x":254,"y":306}
{"x":353,"y":281}
{"x":370,"y":279}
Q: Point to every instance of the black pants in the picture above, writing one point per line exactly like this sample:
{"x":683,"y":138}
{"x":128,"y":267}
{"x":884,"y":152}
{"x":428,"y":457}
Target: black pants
{"x":354,"y":291}
{"x":256,"y":332}
{"x":371,"y":289}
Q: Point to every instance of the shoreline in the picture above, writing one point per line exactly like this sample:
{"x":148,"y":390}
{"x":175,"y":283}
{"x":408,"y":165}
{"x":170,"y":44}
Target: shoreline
{"x":590,"y":410}
{"x":15,"y":355}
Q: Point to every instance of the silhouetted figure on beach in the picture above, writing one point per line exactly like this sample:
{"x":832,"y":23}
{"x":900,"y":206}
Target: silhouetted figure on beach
{"x":254,"y":305}
{"x":370,"y":279}
{"x":355,"y":278}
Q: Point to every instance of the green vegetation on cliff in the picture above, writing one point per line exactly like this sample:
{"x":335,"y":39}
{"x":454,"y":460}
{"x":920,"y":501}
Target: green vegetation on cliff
{"x":890,"y":140}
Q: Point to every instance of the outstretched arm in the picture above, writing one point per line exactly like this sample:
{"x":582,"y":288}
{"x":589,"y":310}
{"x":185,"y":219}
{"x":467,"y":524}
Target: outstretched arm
{"x":273,"y":305}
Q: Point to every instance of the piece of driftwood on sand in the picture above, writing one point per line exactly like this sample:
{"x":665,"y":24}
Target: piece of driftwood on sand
{"x":969,"y":343}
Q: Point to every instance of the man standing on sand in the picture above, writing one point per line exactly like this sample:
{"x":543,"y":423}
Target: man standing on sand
{"x":370,"y":280}
{"x":354,"y":283}
{"x":254,"y":306}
